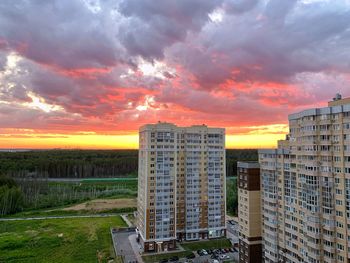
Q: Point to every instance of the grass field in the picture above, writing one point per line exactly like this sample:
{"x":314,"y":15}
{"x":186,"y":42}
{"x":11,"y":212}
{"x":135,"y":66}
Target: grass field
{"x":156,"y":258}
{"x":82,"y":195}
{"x":58,"y":240}
{"x":103,"y":204}
{"x":211,"y":244}
{"x":93,"y":207}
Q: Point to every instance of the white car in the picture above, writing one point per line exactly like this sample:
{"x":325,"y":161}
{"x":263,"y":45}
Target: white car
{"x":216,"y":261}
{"x":204,"y":252}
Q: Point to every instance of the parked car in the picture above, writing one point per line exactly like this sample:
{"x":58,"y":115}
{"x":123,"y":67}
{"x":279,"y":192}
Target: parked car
{"x":216,"y":261}
{"x":164,"y":260}
{"x":200,"y":252}
{"x":190,"y":256}
{"x":174,"y":259}
{"x":204,"y":252}
{"x":231,"y":249}
{"x":217,"y":251}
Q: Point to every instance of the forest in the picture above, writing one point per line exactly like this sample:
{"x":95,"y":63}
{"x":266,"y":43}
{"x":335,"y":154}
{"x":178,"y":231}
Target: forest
{"x":25,"y":177}
{"x":69,"y":163}
{"x":90,"y":163}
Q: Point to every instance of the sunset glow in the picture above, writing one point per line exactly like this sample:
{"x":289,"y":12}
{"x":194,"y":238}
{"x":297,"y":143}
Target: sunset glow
{"x":91,"y":76}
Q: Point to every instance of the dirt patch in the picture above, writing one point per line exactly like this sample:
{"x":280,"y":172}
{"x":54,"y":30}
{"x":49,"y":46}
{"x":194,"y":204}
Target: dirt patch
{"x":103,"y":204}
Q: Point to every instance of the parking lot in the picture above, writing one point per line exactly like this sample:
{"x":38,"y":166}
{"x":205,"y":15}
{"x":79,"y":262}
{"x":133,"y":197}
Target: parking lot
{"x":123,"y":246}
{"x":228,"y":256}
{"x":211,"y":257}
{"x":126,"y":245}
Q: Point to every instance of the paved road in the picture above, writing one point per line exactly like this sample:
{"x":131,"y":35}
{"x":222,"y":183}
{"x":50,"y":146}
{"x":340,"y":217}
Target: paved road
{"x":232,"y":232}
{"x":56,"y":217}
{"x":136,"y":247}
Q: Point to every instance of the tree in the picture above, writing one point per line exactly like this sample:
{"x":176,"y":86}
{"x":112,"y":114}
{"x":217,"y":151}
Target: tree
{"x":11,"y":196}
{"x":232,"y":196}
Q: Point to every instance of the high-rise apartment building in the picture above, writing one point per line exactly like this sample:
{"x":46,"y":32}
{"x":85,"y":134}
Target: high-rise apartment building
{"x":305,"y":188}
{"x":249,"y":212}
{"x":181,"y":185}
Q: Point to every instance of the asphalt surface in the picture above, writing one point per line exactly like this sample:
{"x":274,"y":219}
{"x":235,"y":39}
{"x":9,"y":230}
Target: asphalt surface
{"x":123,"y":247}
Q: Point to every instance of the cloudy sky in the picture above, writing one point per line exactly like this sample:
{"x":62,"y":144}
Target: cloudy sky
{"x":88,"y":73}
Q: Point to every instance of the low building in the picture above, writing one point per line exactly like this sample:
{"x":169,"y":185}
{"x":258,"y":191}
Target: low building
{"x":249,"y":212}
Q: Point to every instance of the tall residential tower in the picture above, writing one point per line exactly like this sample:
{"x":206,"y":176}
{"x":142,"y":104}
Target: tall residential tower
{"x":181,"y":185}
{"x":305,"y":187}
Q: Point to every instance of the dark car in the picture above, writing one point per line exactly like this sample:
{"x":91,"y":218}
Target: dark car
{"x":164,"y":260}
{"x":174,"y":259}
{"x":190,"y":256}
{"x":210,"y":251}
{"x":231,"y":249}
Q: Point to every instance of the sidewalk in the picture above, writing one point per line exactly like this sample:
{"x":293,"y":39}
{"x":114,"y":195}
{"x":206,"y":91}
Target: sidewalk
{"x":136,"y":247}
{"x":125,"y":218}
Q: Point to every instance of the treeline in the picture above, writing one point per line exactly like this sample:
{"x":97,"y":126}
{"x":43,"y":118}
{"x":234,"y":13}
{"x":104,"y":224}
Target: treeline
{"x":23,"y":194}
{"x":69,"y":163}
{"x":233,"y":156}
{"x":90,"y":163}
{"x":11,"y":196}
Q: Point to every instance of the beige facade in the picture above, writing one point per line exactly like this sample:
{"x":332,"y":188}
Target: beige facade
{"x":181,"y":191}
{"x":305,"y":186}
{"x":249,"y":212}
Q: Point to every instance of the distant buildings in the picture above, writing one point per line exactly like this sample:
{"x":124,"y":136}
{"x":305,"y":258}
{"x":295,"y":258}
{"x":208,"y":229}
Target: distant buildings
{"x":305,"y":188}
{"x":249,"y":212}
{"x":181,"y":186}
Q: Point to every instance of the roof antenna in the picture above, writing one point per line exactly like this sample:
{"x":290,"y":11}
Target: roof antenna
{"x":337,"y":97}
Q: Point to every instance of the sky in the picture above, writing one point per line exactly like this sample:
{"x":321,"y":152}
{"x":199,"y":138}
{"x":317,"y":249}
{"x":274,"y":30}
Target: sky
{"x":89,"y":73}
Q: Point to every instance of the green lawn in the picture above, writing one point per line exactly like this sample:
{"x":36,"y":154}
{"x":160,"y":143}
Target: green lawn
{"x":60,"y":212}
{"x":211,"y":244}
{"x":156,"y":258}
{"x":57,"y":240}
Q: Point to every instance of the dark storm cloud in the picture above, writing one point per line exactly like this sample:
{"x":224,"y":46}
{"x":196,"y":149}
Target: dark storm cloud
{"x":271,"y":42}
{"x":86,"y":56}
{"x":239,"y":6}
{"x":60,"y":33}
{"x":3,"y":60}
{"x":154,"y":25}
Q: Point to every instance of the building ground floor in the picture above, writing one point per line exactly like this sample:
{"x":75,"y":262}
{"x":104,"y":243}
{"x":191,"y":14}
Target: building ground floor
{"x":168,"y":245}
